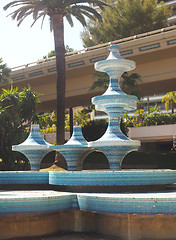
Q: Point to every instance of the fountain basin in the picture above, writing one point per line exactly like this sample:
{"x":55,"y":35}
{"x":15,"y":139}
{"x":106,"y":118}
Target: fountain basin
{"x":112,"y":178}
{"x":19,"y":202}
{"x":120,"y":103}
{"x":90,"y":178}
{"x":128,"y":203}
{"x":24,"y":177}
{"x":40,"y":201}
{"x":134,"y":216}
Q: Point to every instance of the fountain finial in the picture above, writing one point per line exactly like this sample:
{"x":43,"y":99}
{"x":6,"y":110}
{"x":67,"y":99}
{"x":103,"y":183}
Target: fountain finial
{"x":114,"y":52}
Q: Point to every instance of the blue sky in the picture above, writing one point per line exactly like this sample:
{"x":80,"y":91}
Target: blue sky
{"x":23,"y":44}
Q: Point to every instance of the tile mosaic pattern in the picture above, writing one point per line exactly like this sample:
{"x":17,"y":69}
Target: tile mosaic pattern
{"x":21,"y":202}
{"x":73,"y":149}
{"x":24,"y":177}
{"x":90,"y":178}
{"x":114,"y":144}
{"x":112,"y":178}
{"x":18,"y":202}
{"x":34,"y":147}
{"x":135,"y":203}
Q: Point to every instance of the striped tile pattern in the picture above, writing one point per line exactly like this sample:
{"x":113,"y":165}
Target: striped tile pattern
{"x":24,"y":177}
{"x":73,"y":149}
{"x":17,"y":202}
{"x":114,"y":144}
{"x":112,"y":178}
{"x":136,"y":203}
{"x":90,"y":178}
{"x":21,"y":202}
{"x":34,"y":147}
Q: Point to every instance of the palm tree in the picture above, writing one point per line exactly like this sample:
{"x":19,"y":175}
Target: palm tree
{"x":57,"y":10}
{"x":4,"y":73}
{"x":169,"y":99}
{"x":128,"y":83}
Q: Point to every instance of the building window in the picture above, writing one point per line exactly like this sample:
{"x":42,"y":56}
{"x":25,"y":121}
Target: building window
{"x":148,"y":47}
{"x":75,"y":64}
{"x":170,"y":42}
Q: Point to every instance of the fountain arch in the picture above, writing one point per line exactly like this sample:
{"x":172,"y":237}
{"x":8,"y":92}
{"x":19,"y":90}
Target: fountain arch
{"x":95,"y":160}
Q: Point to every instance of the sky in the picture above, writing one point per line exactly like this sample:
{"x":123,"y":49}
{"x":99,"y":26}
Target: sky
{"x":23,"y":44}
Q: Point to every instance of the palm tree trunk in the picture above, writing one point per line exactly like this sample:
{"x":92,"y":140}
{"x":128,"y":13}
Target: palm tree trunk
{"x":58,"y":28}
{"x":172,"y":106}
{"x":71,"y":120}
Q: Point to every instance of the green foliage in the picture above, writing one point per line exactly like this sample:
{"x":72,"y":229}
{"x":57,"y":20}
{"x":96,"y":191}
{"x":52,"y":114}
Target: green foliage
{"x":128,"y":120}
{"x":68,"y":49}
{"x":17,"y":113}
{"x":49,"y":129}
{"x":40,"y":9}
{"x":153,"y":118}
{"x":128,"y":83}
{"x":126,"y":18}
{"x":159,"y":119}
{"x":4,"y":73}
{"x":53,"y":54}
{"x":47,"y":121}
{"x":169,"y":99}
{"x":80,"y":118}
{"x":101,"y":82}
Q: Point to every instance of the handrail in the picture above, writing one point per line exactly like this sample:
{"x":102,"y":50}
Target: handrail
{"x":139,"y":36}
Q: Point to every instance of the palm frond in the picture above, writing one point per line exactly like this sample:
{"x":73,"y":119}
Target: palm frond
{"x":75,"y":2}
{"x":92,"y":11}
{"x":88,"y":15}
{"x":79,"y":16}
{"x":22,"y":18}
{"x":11,"y":4}
{"x":22,"y":12}
{"x":69,"y":19}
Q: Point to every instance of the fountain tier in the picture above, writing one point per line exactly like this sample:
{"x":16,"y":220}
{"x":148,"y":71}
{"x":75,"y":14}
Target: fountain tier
{"x":114,"y":144}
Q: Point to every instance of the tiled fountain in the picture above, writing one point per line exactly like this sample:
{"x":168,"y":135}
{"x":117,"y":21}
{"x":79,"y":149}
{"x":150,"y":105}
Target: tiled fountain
{"x":126,"y":215}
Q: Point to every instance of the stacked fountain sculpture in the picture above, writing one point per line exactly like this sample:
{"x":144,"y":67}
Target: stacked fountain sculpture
{"x":114,"y":144}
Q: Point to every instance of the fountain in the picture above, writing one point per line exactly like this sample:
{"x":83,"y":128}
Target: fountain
{"x":129,"y":205}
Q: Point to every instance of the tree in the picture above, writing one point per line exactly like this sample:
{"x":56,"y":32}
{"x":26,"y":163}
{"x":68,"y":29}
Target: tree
{"x":69,"y":49}
{"x":4,"y":73}
{"x":56,"y":10}
{"x":169,"y":99}
{"x":16,"y":115}
{"x":52,"y":53}
{"x":128,"y":83}
{"x":126,"y":18}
